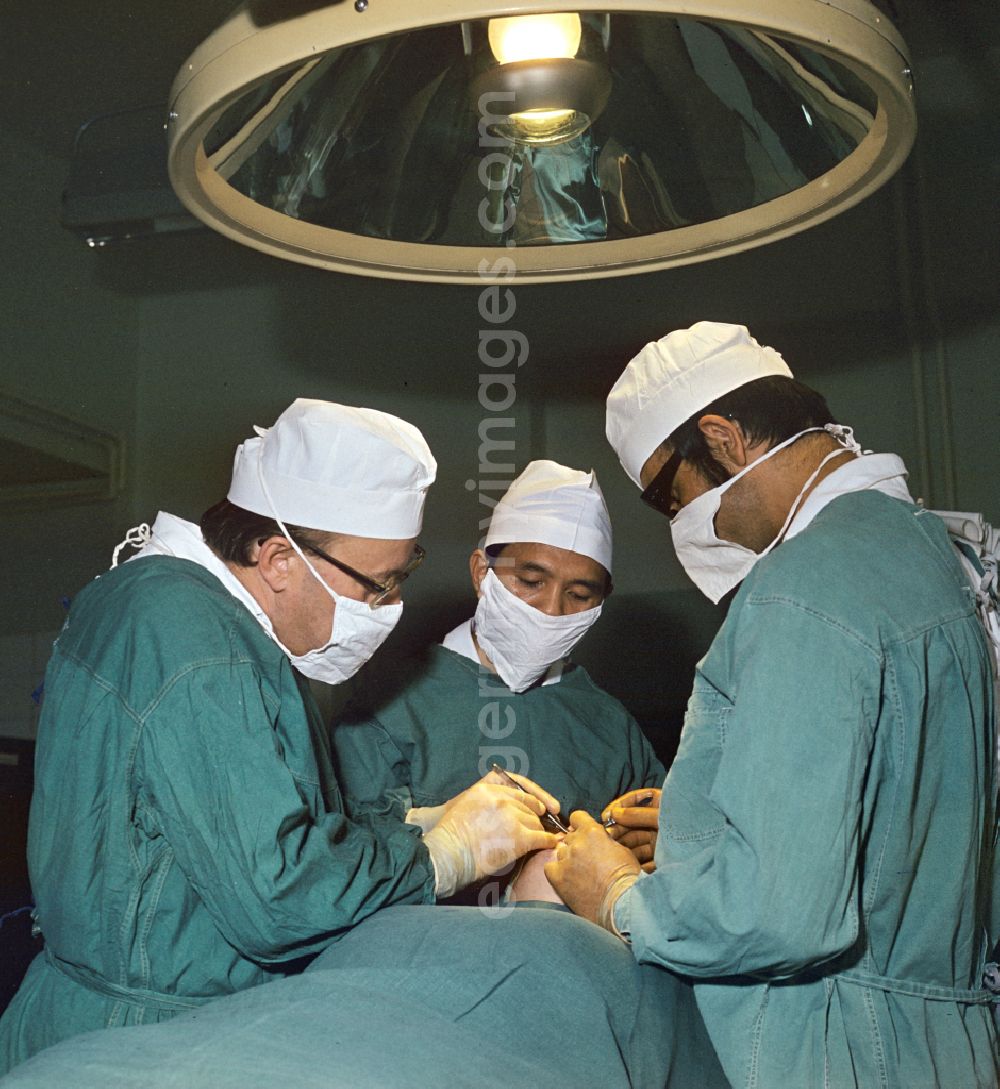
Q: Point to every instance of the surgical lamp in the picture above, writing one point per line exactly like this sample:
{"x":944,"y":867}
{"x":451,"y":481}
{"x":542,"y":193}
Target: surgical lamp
{"x":467,"y":140}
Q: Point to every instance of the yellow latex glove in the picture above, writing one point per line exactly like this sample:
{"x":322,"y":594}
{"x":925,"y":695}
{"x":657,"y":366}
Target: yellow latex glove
{"x":590,"y":870}
{"x":485,"y":829}
{"x":633,"y":821}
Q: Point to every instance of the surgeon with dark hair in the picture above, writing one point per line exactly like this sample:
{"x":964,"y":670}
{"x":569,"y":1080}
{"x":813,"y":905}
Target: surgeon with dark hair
{"x":502,"y":687}
{"x":187,"y":837}
{"x":825,"y":866}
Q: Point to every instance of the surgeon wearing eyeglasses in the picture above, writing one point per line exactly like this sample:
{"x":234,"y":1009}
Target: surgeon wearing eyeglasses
{"x":825,"y":865}
{"x":187,"y":835}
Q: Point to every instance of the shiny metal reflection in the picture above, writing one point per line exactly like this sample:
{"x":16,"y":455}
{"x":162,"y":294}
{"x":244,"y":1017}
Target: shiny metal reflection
{"x":652,"y":140}
{"x":383,"y":139}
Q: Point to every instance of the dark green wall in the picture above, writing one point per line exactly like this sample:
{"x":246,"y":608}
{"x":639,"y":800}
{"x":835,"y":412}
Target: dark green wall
{"x":180,"y":343}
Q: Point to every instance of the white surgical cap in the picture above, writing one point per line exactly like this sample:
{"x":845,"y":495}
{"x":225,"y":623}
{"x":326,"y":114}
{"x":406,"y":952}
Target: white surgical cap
{"x":338,"y":469}
{"x":673,"y":378}
{"x":554,"y":505}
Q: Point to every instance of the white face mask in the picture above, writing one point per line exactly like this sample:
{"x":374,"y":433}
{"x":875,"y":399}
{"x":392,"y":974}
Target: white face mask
{"x":520,"y":640}
{"x":716,"y":566}
{"x":357,"y":632}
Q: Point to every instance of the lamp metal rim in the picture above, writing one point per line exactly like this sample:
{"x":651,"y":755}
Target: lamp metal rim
{"x":236,"y":57}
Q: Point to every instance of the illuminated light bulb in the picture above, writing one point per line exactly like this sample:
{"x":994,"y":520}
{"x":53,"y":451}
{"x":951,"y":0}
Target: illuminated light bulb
{"x":539,"y":38}
{"x":535,"y":37}
{"x":547,"y":126}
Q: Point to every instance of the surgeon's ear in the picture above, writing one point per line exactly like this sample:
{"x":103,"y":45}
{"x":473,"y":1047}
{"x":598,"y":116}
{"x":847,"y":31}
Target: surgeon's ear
{"x":479,"y":564}
{"x":725,"y":441}
{"x":275,"y":558}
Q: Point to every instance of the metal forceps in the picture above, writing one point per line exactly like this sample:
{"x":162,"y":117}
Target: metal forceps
{"x":549,"y":820}
{"x":611,"y":822}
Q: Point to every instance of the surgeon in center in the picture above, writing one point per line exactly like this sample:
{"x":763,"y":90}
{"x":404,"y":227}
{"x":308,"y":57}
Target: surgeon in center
{"x":501,"y":687}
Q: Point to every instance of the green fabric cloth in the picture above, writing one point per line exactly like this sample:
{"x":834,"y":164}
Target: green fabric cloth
{"x":421,"y":998}
{"x":428,"y":728}
{"x":187,"y":838}
{"x":825,"y":864}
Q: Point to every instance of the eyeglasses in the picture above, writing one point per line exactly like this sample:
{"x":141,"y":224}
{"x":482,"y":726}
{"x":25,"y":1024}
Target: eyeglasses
{"x":658,"y":493}
{"x":381,"y":590}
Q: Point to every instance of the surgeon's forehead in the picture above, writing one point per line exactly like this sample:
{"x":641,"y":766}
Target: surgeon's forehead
{"x":375,"y":556}
{"x":561,"y":563}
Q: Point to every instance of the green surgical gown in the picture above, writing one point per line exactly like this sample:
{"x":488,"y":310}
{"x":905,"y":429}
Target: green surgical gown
{"x":420,"y":737}
{"x":825,"y":864}
{"x":187,"y":838}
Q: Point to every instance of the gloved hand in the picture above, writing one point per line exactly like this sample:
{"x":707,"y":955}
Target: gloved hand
{"x":427,"y":816}
{"x":590,"y":870}
{"x":485,"y":829}
{"x":633,"y":821}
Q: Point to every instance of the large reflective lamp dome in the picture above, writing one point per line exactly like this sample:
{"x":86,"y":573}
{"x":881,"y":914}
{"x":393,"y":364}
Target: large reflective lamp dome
{"x":456,"y":141}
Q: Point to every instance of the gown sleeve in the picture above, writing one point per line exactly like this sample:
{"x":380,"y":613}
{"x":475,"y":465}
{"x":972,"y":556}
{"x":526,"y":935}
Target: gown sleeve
{"x":280,"y":876}
{"x":763,"y":880}
{"x":373,"y":767}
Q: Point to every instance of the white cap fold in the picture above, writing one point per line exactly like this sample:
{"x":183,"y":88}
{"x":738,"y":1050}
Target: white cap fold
{"x":673,"y":378}
{"x":554,"y":505}
{"x":338,"y":469}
